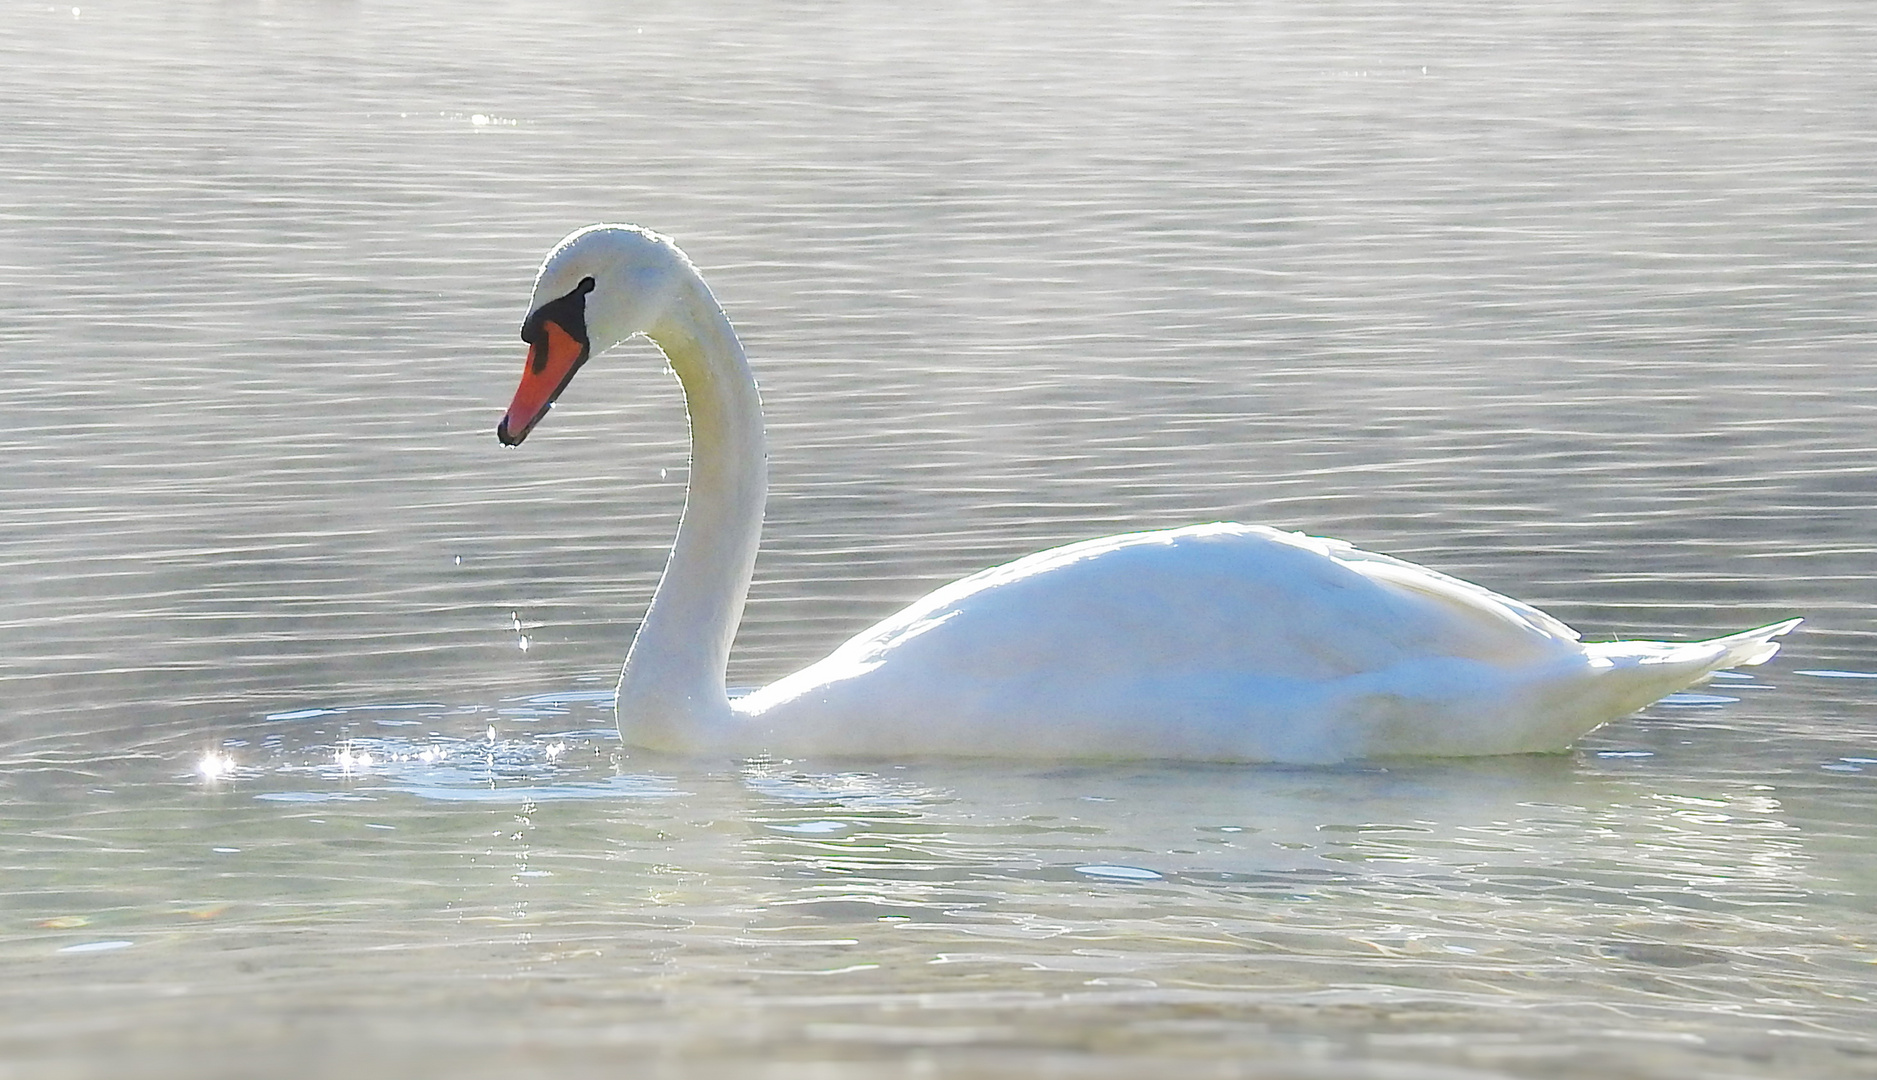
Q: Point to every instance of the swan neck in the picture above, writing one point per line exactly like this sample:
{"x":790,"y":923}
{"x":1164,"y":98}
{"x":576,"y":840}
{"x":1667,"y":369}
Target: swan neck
{"x":672,"y":692}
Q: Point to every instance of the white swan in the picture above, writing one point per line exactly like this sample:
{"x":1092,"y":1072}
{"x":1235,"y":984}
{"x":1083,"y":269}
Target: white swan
{"x":1213,"y":642}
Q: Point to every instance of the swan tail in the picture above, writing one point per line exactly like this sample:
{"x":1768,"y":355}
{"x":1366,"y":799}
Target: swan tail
{"x":1628,"y":675}
{"x":1624,"y":676}
{"x":1755,"y":646}
{"x":1697,"y":658}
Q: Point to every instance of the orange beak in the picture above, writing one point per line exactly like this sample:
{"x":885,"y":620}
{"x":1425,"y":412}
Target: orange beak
{"x":557,"y":346}
{"x":552,"y":361}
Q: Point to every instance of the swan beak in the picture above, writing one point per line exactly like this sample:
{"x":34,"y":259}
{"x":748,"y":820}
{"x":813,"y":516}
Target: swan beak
{"x":553,"y":357}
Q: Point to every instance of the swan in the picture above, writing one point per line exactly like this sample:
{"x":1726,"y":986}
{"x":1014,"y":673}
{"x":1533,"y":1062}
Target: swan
{"x":1214,"y":642}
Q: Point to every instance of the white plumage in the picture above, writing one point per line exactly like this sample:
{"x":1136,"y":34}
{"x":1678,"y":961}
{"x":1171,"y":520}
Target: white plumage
{"x":1218,"y":642}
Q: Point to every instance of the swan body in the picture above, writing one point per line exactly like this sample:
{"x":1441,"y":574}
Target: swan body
{"x":1219,"y":642}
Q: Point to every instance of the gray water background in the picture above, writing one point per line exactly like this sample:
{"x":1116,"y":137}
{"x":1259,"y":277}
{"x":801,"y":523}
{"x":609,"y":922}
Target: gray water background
{"x":1573,"y":300}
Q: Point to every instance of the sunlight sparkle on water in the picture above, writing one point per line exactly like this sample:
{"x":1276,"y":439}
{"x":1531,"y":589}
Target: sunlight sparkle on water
{"x":350,"y":760}
{"x":96,"y":946}
{"x":215,"y":765}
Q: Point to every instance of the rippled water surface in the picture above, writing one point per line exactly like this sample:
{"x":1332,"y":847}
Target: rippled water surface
{"x":306,"y":759}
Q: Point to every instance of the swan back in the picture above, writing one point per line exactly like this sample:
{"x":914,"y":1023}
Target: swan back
{"x":1219,"y":642}
{"x":1212,"y":597}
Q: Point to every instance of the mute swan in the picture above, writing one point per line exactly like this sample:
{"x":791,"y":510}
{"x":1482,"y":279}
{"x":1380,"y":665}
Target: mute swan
{"x":1217,"y":642}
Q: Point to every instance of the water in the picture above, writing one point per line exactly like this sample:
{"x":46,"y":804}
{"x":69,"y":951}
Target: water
{"x":1573,"y":302}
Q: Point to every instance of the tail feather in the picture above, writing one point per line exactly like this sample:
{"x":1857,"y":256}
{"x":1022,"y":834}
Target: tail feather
{"x":1699,"y":658}
{"x":1626,"y":675}
{"x":1752,"y":646}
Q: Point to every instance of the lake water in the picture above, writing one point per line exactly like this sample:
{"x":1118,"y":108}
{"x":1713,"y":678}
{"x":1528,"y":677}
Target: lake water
{"x":306,"y":760}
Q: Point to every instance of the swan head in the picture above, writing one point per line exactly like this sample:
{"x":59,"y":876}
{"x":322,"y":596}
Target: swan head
{"x":598,"y":287}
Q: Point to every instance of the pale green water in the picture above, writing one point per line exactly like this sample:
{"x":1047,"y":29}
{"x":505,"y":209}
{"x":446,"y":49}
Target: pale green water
{"x":1577,"y":303}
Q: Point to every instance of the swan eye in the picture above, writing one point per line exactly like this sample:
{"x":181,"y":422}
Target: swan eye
{"x":568,"y":312}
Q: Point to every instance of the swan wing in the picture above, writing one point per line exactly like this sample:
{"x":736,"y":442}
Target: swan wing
{"x":1490,"y":610}
{"x":1211,"y":597}
{"x":1224,"y":611}
{"x":1221,"y":643}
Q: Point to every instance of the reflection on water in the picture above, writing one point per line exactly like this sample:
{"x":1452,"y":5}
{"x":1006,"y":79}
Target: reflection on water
{"x":1631,"y":908}
{"x":304,"y":682}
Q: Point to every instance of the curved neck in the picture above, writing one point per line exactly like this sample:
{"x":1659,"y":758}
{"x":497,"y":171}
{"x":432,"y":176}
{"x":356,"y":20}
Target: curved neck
{"x":671,"y":693}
